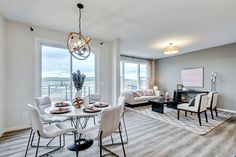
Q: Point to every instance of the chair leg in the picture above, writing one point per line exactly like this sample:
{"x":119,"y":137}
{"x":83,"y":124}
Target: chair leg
{"x":36,"y":154}
{"x":122,"y":142}
{"x":32,"y":140}
{"x":178,"y":114}
{"x":216,"y":112}
{"x":64,"y":141}
{"x":212,"y":116}
{"x":199,"y":118}
{"x":206,"y":116}
{"x":100,"y":143}
{"x":26,"y":151}
{"x":185,"y":113}
{"x":112,"y":141}
{"x":60,"y":140}
{"x":125,"y":128}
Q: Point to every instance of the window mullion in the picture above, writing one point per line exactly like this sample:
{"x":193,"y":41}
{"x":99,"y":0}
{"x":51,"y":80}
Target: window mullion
{"x":139,"y":76}
{"x":123,"y":76}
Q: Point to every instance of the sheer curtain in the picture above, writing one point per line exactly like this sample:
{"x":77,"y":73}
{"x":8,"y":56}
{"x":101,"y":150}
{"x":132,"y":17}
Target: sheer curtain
{"x":150,"y":73}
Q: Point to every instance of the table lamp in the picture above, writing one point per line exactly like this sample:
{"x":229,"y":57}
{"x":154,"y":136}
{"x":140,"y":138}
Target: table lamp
{"x":155,"y":88}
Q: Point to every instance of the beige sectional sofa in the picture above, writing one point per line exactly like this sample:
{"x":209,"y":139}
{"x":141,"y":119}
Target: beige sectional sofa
{"x":130,"y":99}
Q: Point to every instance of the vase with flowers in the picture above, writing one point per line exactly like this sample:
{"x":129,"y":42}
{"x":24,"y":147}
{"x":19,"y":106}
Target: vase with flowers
{"x":78,"y":79}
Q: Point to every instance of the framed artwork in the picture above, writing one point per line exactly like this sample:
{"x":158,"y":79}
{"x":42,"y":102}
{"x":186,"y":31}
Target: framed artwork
{"x":192,"y":77}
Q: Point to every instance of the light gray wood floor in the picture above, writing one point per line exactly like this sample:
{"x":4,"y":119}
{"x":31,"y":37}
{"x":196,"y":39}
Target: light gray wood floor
{"x":147,"y":138}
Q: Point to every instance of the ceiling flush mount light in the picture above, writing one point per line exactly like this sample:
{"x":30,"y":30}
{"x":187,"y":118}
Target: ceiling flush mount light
{"x":170,"y":50}
{"x":77,"y":44}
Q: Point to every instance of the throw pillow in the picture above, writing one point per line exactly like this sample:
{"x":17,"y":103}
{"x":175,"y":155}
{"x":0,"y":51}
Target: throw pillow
{"x":192,"y":102}
{"x":148,"y":93}
{"x":136,"y":94}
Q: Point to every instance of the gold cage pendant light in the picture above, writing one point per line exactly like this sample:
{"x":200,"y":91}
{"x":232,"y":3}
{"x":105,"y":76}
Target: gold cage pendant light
{"x":77,"y":44}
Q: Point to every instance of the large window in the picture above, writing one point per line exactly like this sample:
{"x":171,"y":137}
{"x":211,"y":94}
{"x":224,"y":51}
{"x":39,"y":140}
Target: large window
{"x":133,"y":75}
{"x":57,"y":66}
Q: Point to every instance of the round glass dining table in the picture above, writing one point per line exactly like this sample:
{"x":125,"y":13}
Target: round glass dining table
{"x":79,"y":119}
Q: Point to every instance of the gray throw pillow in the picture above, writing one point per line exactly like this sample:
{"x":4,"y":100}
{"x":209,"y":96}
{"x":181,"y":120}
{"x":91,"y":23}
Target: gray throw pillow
{"x":192,"y":102}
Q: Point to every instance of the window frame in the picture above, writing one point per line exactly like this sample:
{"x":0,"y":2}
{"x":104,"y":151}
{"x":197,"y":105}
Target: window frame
{"x":38,"y":64}
{"x":123,"y":61}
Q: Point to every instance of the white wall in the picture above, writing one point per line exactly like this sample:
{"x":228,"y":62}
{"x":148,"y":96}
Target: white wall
{"x":2,"y":73}
{"x":20,"y":70}
{"x":221,"y":60}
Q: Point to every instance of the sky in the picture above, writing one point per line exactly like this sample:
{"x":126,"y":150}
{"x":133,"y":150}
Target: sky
{"x":56,"y":63}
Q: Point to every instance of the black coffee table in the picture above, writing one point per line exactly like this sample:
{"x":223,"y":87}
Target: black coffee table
{"x":158,"y":104}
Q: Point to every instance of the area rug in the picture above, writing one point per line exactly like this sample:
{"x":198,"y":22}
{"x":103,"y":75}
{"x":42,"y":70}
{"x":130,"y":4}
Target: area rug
{"x":190,"y":122}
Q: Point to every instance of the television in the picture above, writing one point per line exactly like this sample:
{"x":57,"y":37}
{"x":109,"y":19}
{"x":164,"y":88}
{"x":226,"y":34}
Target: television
{"x":192,"y":77}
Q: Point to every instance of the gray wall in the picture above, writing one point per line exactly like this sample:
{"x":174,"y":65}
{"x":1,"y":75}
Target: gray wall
{"x":221,"y":60}
{"x":2,"y":72}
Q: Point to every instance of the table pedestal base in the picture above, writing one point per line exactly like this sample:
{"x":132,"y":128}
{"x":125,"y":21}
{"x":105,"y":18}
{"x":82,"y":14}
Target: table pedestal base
{"x":84,"y":144}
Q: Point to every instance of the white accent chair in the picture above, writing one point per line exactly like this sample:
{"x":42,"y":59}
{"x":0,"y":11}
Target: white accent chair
{"x":109,"y":123}
{"x":44,"y":102}
{"x":212,"y":103}
{"x":46,"y":132}
{"x":94,"y":97}
{"x":200,"y":106}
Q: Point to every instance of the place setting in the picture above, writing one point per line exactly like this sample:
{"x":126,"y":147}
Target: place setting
{"x":60,"y":107}
{"x":62,"y":104}
{"x":60,"y":110}
{"x":95,"y":107}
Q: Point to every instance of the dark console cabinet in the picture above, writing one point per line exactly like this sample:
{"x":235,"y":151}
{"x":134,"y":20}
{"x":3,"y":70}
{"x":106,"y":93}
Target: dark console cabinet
{"x":184,"y":96}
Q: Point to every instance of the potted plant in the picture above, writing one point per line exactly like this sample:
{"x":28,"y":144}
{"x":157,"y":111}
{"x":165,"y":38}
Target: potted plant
{"x":78,"y":79}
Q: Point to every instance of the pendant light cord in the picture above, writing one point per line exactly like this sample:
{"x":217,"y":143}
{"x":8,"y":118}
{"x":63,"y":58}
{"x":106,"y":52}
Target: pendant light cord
{"x":80,"y":21}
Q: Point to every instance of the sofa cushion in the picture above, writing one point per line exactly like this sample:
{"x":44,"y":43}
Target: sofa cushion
{"x":140,"y":92}
{"x":136,"y":94}
{"x":149,"y":92}
{"x":142,"y":98}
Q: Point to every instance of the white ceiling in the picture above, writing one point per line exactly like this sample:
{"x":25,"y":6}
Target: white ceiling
{"x":143,"y":28}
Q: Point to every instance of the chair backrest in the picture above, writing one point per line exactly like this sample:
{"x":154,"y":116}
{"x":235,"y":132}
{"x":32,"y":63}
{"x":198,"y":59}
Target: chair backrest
{"x":110,"y":120}
{"x":121,"y":101}
{"x":94,"y":97}
{"x":86,"y":101}
{"x":201,"y":102}
{"x":42,"y":103}
{"x":35,"y":119}
{"x":212,"y":99}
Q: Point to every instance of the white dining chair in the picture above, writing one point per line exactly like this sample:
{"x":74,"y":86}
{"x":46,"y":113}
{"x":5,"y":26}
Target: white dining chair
{"x":45,"y":102}
{"x":109,"y":123}
{"x":121,"y":101}
{"x":46,"y":131}
{"x":94,"y":97}
{"x":42,"y":103}
{"x":200,"y":106}
{"x":212,"y":103}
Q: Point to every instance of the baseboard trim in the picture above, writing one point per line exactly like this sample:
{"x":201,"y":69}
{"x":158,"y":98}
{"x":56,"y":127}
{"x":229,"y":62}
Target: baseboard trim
{"x":1,"y":133}
{"x":13,"y":129}
{"x":225,"y":110}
